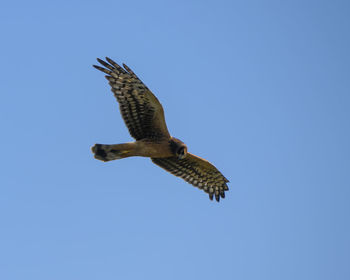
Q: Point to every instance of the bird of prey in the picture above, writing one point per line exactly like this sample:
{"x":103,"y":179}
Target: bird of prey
{"x":144,"y":117}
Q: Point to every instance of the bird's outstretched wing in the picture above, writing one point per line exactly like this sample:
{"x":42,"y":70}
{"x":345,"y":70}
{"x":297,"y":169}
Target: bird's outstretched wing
{"x":198,"y":172}
{"x":142,"y":112}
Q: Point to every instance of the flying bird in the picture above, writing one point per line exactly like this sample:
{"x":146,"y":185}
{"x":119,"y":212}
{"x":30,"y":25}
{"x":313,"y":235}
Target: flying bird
{"x":144,"y":117}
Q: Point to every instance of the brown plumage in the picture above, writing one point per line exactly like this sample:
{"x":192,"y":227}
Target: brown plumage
{"x":144,"y":117}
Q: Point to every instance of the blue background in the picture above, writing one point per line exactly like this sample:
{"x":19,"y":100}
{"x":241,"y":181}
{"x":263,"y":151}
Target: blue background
{"x":259,"y":88}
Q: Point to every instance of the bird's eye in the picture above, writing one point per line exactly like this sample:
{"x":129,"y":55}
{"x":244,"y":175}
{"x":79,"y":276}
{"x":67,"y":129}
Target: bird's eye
{"x":181,"y":151}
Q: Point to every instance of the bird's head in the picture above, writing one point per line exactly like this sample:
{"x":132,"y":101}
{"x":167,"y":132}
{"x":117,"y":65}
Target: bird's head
{"x":182,"y":152}
{"x":178,"y":148}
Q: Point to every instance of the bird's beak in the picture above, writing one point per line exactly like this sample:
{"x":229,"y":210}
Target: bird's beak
{"x":182,"y":156}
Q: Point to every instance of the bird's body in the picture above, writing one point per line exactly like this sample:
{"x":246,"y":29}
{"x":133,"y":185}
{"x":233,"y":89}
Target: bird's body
{"x":141,"y":148}
{"x":144,"y":116}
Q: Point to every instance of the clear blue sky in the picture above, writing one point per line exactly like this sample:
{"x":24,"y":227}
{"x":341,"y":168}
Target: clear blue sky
{"x":259,"y":88}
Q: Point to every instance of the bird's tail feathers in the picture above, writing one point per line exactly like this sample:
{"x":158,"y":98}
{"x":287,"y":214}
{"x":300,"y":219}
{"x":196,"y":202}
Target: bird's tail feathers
{"x":112,"y":152}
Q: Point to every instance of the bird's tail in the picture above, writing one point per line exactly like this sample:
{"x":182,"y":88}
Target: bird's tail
{"x":112,"y":152}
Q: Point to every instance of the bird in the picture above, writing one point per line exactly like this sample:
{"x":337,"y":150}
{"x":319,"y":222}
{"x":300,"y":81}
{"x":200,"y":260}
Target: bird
{"x":143,"y":115}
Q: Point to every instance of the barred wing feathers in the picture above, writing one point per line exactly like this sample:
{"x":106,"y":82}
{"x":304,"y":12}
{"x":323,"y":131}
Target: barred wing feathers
{"x":198,"y":172}
{"x":141,"y":110}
